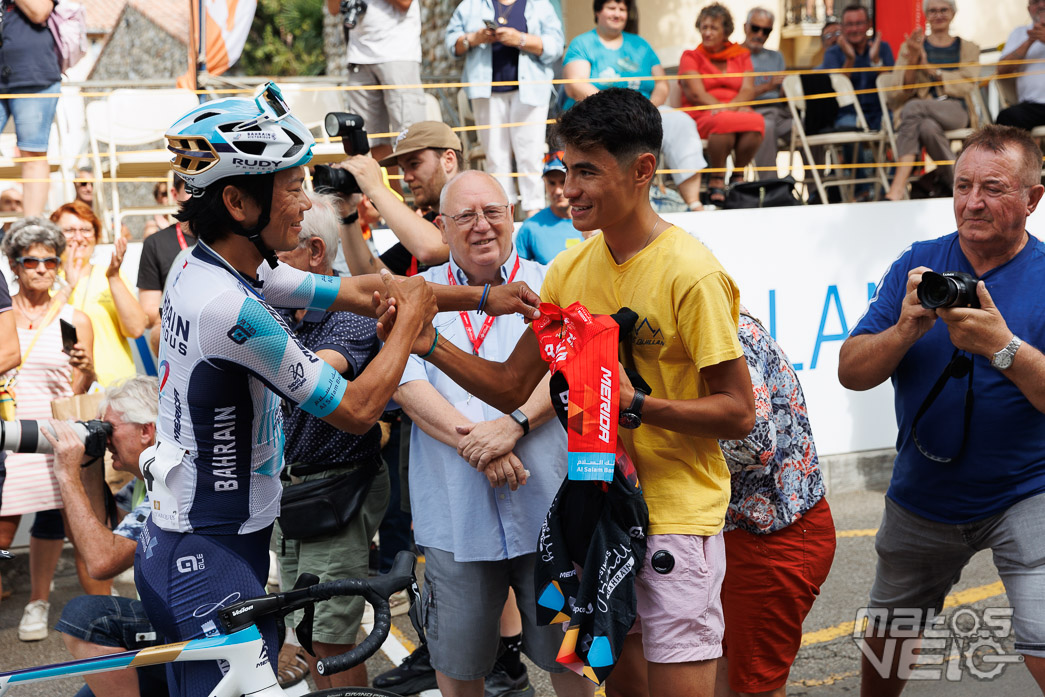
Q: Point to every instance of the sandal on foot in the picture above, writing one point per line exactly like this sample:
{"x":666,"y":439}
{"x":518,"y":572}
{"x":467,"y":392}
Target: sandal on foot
{"x":292,"y":666}
{"x":716,"y":196}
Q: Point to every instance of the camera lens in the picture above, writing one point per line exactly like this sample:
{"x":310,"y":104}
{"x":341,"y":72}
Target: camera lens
{"x":936,"y":291}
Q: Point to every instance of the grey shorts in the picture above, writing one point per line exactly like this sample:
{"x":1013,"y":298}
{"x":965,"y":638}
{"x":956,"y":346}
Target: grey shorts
{"x":919,"y":560}
{"x":386,"y":111}
{"x":342,"y":555}
{"x":462,"y":612}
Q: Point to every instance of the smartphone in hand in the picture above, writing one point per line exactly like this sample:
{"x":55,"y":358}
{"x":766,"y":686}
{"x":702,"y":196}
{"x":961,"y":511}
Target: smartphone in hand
{"x":68,"y":336}
{"x":490,"y":24}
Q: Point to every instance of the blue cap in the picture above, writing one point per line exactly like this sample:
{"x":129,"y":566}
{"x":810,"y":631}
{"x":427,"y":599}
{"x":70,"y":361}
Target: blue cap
{"x":553,"y":163}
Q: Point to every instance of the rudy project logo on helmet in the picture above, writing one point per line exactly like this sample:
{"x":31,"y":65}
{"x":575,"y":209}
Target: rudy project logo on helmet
{"x":234,"y":136}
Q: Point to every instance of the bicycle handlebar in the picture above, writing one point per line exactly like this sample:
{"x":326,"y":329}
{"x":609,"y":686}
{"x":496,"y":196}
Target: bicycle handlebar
{"x":376,"y":591}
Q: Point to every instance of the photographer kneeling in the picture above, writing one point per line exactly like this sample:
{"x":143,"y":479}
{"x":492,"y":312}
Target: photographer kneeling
{"x":97,"y":625}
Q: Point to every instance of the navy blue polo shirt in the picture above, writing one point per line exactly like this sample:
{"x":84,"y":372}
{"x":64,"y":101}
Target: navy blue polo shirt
{"x":309,"y":439}
{"x":28,"y":53}
{"x":1004,"y":457}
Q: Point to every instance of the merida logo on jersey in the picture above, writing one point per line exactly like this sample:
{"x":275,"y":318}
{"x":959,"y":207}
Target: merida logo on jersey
{"x":175,"y":330}
{"x":224,"y":461}
{"x":605,"y":390}
{"x":177,"y":415}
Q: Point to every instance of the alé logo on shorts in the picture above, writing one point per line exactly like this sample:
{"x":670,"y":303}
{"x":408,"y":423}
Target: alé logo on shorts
{"x":647,"y":335}
{"x":967,"y":642}
{"x":187,"y":565}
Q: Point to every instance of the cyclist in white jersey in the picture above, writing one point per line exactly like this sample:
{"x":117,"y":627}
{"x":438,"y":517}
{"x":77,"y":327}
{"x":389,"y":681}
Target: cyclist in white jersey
{"x":227,"y":359}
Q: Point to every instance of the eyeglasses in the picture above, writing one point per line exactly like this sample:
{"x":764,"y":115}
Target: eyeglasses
{"x":494,"y":213}
{"x":50,"y":263}
{"x":765,"y":31}
{"x":553,"y":156}
{"x":938,"y":11}
{"x":831,"y":35}
{"x":85,"y":231}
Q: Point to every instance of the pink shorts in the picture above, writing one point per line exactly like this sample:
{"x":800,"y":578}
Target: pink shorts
{"x":679,"y":611}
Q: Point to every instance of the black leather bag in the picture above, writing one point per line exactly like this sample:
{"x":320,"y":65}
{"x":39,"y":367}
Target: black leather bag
{"x":766,"y":193}
{"x":323,"y":507}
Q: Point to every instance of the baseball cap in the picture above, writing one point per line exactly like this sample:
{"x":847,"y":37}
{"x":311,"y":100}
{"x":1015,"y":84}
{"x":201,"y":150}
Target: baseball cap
{"x":421,"y":136}
{"x":553,"y":162}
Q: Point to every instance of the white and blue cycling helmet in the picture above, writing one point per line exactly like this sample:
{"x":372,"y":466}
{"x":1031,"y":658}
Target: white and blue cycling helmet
{"x":236,"y":136}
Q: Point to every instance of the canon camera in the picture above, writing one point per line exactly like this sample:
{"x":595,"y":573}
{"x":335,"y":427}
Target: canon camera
{"x":350,"y":128}
{"x":24,"y":436}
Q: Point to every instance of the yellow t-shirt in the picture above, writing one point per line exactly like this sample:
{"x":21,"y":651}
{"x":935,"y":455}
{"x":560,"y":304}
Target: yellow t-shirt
{"x":688,"y":308}
{"x":112,"y":354}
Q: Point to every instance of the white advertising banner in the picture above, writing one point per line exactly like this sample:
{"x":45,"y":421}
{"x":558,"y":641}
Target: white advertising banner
{"x":807,"y":273}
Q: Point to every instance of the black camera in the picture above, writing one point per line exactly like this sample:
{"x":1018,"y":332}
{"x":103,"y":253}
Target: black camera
{"x":350,"y":128}
{"x":350,"y":11}
{"x":948,"y":289}
{"x":24,"y":436}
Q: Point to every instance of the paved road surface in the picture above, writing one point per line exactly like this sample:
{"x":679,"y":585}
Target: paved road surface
{"x":826,"y":666}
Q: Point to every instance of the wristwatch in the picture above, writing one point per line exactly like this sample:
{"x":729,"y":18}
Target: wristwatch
{"x":520,"y":418}
{"x":1003,"y":359}
{"x":466,"y":43}
{"x":632,"y":416}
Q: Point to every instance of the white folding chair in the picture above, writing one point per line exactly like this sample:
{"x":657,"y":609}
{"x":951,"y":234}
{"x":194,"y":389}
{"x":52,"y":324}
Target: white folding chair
{"x":132,"y":118}
{"x":311,"y":103}
{"x":834,"y":142}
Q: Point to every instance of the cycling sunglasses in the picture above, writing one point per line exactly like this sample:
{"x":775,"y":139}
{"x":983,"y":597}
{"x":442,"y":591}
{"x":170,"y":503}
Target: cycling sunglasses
{"x":552,"y":156}
{"x":50,"y":263}
{"x":273,"y":106}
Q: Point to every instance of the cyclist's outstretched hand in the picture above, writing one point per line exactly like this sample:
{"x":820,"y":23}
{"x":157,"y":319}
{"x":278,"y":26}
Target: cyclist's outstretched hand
{"x":413,"y":298}
{"x":511,"y":298}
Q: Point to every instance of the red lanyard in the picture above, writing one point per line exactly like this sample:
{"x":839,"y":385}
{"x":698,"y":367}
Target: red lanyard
{"x":181,"y":237}
{"x":467,"y":321}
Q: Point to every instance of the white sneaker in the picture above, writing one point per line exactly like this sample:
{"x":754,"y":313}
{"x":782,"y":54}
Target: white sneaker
{"x":33,"y":626}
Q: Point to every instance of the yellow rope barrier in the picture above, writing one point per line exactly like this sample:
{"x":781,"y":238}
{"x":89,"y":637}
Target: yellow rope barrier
{"x":701,"y":107}
{"x":585,"y":80}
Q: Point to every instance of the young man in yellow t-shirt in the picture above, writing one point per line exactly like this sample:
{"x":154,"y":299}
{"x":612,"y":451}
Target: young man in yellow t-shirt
{"x":685,"y":346}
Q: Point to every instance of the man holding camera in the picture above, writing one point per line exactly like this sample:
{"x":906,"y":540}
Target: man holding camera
{"x":430,"y":154}
{"x":97,"y":625}
{"x":384,"y":48}
{"x":968,"y":475}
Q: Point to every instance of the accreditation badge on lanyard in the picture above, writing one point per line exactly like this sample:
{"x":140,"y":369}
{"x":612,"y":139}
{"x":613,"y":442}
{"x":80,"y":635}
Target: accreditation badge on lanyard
{"x":477,"y":341}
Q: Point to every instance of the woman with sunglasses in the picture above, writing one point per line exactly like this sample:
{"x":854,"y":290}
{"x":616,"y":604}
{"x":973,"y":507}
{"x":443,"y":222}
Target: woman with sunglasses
{"x":737,"y":129}
{"x":33,"y":248}
{"x":100,"y":290}
{"x":158,"y":221}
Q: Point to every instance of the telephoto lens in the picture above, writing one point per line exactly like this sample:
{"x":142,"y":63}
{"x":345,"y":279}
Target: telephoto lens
{"x":24,"y":436}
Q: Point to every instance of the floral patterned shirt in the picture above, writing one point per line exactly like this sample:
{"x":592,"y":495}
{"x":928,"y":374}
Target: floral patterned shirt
{"x":775,"y":474}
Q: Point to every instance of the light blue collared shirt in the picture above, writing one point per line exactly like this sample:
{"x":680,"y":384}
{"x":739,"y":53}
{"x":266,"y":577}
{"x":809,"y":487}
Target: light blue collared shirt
{"x":535,"y":72}
{"x":453,"y":506}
